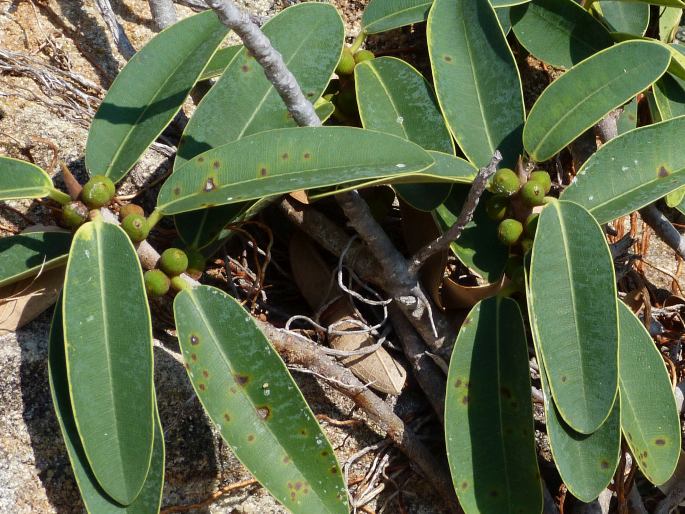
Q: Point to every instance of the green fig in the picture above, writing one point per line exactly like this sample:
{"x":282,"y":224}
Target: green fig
{"x":196,"y":262}
{"x":531,"y":224}
{"x":543,"y":178}
{"x":505,"y":182}
{"x":363,"y":55}
{"x":130,"y":208}
{"x":496,"y":207}
{"x":74,"y":214}
{"x":533,"y":193}
{"x":509,"y":231}
{"x":97,"y":192}
{"x":136,"y":226}
{"x":346,"y":63}
{"x":179,"y":284}
{"x":173,"y":261}
{"x":156,"y":282}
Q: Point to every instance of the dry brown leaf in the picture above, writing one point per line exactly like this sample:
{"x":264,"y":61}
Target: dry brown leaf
{"x":24,"y":301}
{"x":313,"y":277}
{"x":457,"y":296}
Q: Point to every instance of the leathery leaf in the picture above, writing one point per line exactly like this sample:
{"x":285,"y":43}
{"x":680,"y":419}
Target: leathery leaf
{"x":248,"y":393}
{"x":108,"y":336}
{"x":394,"y":97}
{"x":649,"y":415}
{"x":285,"y":160}
{"x":148,"y":93}
{"x":94,"y":498}
{"x":26,"y":254}
{"x":20,"y":179}
{"x":574,"y":306}
{"x":631,"y":171}
{"x":489,"y":415}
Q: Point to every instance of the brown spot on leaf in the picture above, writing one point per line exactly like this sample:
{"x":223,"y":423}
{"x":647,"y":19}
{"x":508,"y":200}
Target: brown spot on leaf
{"x":264,"y":412}
{"x":245,"y":68}
{"x":285,"y":156}
{"x":298,"y":486}
{"x":202,"y":387}
{"x":200,"y":160}
{"x":263,"y":172}
{"x":604,"y":464}
{"x":193,"y":356}
{"x":465,"y":399}
{"x":241,"y":380}
{"x":303,"y":431}
{"x":334,"y":470}
{"x":324,"y":453}
{"x":645,"y":454}
{"x":458,"y":383}
{"x":564,"y":378}
{"x":663,"y":172}
{"x":177,"y":191}
{"x":250,"y":438}
{"x":307,"y":155}
{"x":448,"y":58}
{"x":194,"y":340}
{"x":286,"y":460}
{"x":227,"y":416}
{"x":205,"y":373}
{"x":209,"y":185}
{"x":464,"y":484}
{"x":233,"y":390}
{"x":660,"y":442}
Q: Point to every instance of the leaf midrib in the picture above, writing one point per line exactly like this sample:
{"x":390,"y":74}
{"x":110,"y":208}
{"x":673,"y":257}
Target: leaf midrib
{"x":499,"y":397}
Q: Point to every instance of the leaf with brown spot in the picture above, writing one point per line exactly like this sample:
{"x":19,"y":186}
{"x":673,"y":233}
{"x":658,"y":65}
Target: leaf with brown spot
{"x":648,"y":408}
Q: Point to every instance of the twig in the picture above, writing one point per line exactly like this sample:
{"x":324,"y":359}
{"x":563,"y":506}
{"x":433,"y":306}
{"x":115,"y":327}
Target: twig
{"x":308,"y":355}
{"x":211,"y":498}
{"x":663,"y":228}
{"x":275,"y":69}
{"x":115,"y":29}
{"x":443,"y":242}
{"x":163,"y":13}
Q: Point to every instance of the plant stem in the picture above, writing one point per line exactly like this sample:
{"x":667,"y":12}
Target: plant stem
{"x":163,"y":13}
{"x":59,"y":196}
{"x":357,"y":43}
{"x":154,"y":218}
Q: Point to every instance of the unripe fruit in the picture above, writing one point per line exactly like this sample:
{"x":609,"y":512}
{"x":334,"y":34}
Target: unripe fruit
{"x":533,"y":193}
{"x":136,"y":227}
{"x":131,"y":208}
{"x":179,"y":284}
{"x":531,"y":224}
{"x":346,"y":63}
{"x":510,"y":231}
{"x":156,"y":282}
{"x":505,"y":182}
{"x":363,"y":55}
{"x":196,"y":262}
{"x":97,"y":192}
{"x":74,"y":214}
{"x":496,"y":207}
{"x":173,"y":262}
{"x":543,"y":178}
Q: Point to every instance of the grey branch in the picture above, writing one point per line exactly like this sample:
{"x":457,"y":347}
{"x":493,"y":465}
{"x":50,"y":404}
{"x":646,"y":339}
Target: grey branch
{"x":163,"y":13}
{"x":115,"y":29}
{"x":271,"y":61}
{"x":465,"y":216}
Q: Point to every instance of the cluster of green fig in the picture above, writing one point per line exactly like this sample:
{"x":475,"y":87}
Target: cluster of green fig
{"x":512,"y":204}
{"x":172,"y":264}
{"x":350,"y":59}
{"x":96,"y":193}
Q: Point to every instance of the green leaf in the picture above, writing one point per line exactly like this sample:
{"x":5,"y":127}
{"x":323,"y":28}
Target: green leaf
{"x":95,"y":499}
{"x":243,"y":101}
{"x":669,"y":20}
{"x":284,"y":160}
{"x":198,"y":229}
{"x":248,"y":393}
{"x":559,"y":32}
{"x":504,"y":18}
{"x":667,"y":3}
{"x":393,"y":97}
{"x":478,"y":247}
{"x":627,"y":120}
{"x":21,"y":179}
{"x":476,"y":79}
{"x":649,"y":415}
{"x":586,"y":463}
{"x":585,"y":93}
{"x":148,"y":92}
{"x":626,"y":17}
{"x":383,"y":15}
{"x":26,"y":254}
{"x":669,"y":95}
{"x":108,"y":337}
{"x":631,"y":171}
{"x":219,"y":62}
{"x":489,"y":415}
{"x":497,"y":4}
{"x":574,"y":306}
{"x":677,"y":66}
{"x":675,"y":198}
